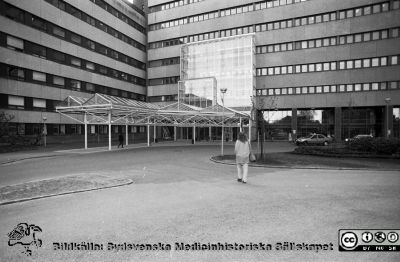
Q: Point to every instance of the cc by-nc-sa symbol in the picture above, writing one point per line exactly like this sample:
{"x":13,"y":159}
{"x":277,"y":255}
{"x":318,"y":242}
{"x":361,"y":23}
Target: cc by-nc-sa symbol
{"x":392,"y":237}
{"x":349,"y":240}
{"x":367,"y":237}
{"x":380,"y":237}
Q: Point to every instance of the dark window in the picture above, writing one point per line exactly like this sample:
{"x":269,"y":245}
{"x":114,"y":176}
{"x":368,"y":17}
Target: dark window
{"x":90,"y":44}
{"x":50,"y":105}
{"x":101,"y":26}
{"x":39,"y":23}
{"x":15,"y":72}
{"x":37,"y":50}
{"x":90,"y":20}
{"x":75,"y":84}
{"x":103,"y":49}
{"x":58,"y":31}
{"x":114,"y":54}
{"x":103,"y":70}
{"x":56,"y":56}
{"x":73,"y":11}
{"x":89,"y":87}
{"x":102,"y":4}
{"x":76,"y":38}
{"x":53,"y":2}
{"x":115,"y":73}
{"x":14,"y":13}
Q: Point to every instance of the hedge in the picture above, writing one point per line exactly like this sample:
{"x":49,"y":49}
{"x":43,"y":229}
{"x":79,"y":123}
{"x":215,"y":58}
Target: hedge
{"x":380,"y":145}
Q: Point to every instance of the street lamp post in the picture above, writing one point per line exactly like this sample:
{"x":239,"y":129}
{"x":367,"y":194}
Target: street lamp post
{"x":387,"y":100}
{"x":223,"y":91}
{"x":44,"y":131}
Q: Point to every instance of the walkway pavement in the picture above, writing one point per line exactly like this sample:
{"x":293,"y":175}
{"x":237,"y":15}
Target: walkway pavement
{"x":179,"y":196}
{"x":57,"y":150}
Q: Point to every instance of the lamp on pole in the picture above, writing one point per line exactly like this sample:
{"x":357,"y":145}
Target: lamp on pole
{"x":44,"y":131}
{"x":223,"y":91}
{"x":387,"y":100}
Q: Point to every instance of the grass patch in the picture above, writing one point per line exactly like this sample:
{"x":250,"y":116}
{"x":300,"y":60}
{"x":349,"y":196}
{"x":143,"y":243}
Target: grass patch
{"x":296,"y":160}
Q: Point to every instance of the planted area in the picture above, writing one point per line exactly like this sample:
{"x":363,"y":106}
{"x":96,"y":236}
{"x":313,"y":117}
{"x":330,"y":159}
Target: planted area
{"x":363,"y":147}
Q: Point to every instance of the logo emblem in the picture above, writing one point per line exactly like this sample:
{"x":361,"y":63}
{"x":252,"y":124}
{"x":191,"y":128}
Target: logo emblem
{"x":349,"y":240}
{"x":392,"y":237}
{"x":367,"y":237}
{"x":380,"y":237}
{"x":25,"y":235}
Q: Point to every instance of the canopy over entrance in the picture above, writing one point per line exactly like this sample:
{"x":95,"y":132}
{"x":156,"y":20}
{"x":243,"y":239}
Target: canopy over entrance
{"x":103,"y":109}
{"x":123,"y":111}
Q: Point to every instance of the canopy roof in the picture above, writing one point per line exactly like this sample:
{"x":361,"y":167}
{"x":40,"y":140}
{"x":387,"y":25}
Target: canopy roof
{"x":99,"y":108}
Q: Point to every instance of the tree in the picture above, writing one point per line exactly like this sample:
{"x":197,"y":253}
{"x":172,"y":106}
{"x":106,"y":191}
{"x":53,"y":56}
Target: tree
{"x":261,"y":104}
{"x":5,"y":120}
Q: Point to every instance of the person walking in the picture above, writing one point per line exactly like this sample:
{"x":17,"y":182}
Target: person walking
{"x":242,"y":152}
{"x":121,"y":140}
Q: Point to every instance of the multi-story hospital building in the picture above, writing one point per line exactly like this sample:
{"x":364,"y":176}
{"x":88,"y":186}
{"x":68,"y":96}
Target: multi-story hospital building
{"x":323,"y":66}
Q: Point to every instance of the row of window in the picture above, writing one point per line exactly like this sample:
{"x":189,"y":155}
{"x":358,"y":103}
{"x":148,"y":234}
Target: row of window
{"x":29,"y":103}
{"x":328,"y":17}
{"x":306,"y":44}
{"x":330,"y":41}
{"x":359,"y":87}
{"x":171,"y":5}
{"x":121,"y":16}
{"x":165,"y":62}
{"x":224,"y":12}
{"x":332,"y":16}
{"x":37,"y":77}
{"x":165,"y":98}
{"x":164,"y":81}
{"x":329,"y":66}
{"x":62,"y":5}
{"x":68,"y":129}
{"x":28,"y":19}
{"x":27,"y":47}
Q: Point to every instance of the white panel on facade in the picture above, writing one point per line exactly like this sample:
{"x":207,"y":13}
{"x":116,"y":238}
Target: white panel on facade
{"x":15,"y":100}
{"x":15,"y":42}
{"x":39,"y":103}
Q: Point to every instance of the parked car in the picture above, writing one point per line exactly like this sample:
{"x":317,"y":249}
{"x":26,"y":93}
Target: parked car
{"x":314,"y":139}
{"x":357,"y":137}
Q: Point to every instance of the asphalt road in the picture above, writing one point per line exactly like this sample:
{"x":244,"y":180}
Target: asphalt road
{"x":179,"y":195}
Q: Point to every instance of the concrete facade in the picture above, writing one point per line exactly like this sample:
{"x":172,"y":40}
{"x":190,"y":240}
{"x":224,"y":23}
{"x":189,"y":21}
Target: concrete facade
{"x":108,"y":29}
{"x":337,"y":61}
{"x":369,"y":29}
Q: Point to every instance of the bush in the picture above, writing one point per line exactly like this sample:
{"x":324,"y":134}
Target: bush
{"x":385,"y":146}
{"x":362,"y":144}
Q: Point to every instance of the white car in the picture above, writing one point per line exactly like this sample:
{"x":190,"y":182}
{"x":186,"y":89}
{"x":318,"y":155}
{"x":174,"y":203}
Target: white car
{"x":314,"y":139}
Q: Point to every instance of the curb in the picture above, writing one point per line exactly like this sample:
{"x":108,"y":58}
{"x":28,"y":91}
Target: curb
{"x":65,"y":152}
{"x":64,"y":193}
{"x":27,"y":158}
{"x":299,"y":167}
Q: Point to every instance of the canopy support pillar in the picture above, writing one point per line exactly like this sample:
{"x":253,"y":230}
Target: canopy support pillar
{"x":194,"y":134}
{"x":85,"y":121}
{"x":175,"y":133}
{"x":154,"y":133}
{"x":148,"y":135}
{"x":109,"y":130}
{"x":126,"y":134}
{"x":250,"y":122}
